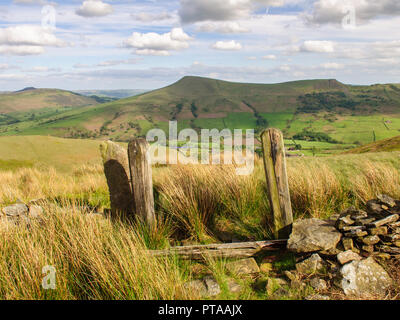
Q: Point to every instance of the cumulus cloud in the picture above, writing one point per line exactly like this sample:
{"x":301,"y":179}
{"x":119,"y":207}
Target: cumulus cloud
{"x":222,"y":27}
{"x":334,"y":11}
{"x":192,"y":11}
{"x":30,"y":36}
{"x":27,"y":40}
{"x":158,"y":44}
{"x":227,"y":45}
{"x":94,"y":8}
{"x":317,"y":46}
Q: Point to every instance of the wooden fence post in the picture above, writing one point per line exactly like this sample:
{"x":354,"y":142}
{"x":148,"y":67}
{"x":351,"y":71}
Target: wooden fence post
{"x":116,"y":170}
{"x":142,"y":182}
{"x":277,"y":181}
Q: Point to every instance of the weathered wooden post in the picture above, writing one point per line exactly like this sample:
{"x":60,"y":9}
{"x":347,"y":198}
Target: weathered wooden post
{"x":277,"y":181}
{"x":141,"y":177}
{"x":116,"y":169}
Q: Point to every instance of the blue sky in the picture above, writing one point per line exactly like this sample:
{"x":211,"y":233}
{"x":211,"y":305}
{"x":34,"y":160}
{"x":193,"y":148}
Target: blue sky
{"x":100,"y":44}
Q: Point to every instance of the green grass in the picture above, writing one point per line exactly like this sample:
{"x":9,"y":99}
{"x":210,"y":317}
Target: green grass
{"x":40,"y":151}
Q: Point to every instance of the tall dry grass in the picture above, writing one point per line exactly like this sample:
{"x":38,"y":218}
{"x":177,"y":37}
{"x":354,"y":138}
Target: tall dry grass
{"x":99,"y":259}
{"x":94,"y":259}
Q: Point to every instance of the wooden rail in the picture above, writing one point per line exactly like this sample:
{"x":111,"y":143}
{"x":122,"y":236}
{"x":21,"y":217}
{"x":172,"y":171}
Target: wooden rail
{"x":228,"y":250}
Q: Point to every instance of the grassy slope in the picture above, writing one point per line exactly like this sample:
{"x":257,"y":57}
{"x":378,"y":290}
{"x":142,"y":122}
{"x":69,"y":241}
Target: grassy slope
{"x":63,"y":154}
{"x":387,"y":145}
{"x":41,"y":98}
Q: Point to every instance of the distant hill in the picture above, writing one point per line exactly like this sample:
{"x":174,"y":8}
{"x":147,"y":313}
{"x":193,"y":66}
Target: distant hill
{"x":387,"y":145}
{"x":324,"y":111}
{"x":33,"y":99}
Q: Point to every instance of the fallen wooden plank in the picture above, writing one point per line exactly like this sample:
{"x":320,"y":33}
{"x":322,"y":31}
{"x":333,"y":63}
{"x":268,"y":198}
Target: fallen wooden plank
{"x":226,"y":250}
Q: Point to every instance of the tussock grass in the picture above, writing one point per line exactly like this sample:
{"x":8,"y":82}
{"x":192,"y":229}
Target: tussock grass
{"x":94,"y":259}
{"x":99,"y":259}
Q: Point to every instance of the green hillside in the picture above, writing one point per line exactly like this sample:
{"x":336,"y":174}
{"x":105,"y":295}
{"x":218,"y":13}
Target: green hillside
{"x":33,"y":99}
{"x":387,"y":145}
{"x":313,"y":111}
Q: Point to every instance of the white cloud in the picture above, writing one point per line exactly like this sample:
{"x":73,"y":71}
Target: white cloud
{"x":333,"y":11}
{"x":192,"y":11}
{"x":94,"y":8}
{"x":27,"y":40}
{"x":28,"y":35}
{"x":317,"y":46}
{"x":227,"y":45}
{"x":152,"y":52}
{"x":224,"y":27}
{"x":158,"y":44}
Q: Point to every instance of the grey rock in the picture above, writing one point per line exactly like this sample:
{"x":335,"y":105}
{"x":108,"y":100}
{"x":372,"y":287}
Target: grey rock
{"x":375,"y":208}
{"x":364,"y":278}
{"x":35,"y":211}
{"x":206,"y":287}
{"x":390,"y":219}
{"x":311,"y":265}
{"x":212,"y":286}
{"x":378,"y":231}
{"x":386,"y":200}
{"x":371,"y":240}
{"x":197,"y":287}
{"x":318,"y":284}
{"x":348,"y":256}
{"x":15,"y":210}
{"x":313,"y":235}
{"x":348,"y":244}
{"x":244,"y":266}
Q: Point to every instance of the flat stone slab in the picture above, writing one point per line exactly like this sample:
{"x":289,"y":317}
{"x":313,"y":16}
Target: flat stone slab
{"x":313,"y":235}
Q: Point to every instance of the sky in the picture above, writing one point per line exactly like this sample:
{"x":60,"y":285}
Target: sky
{"x":147,"y":44}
